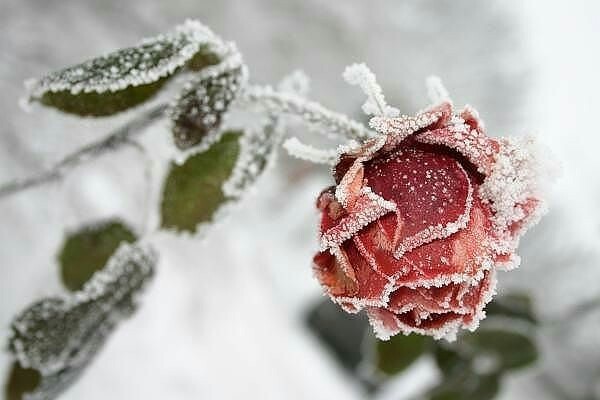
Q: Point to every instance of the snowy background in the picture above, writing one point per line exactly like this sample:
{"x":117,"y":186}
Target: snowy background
{"x":224,"y":317}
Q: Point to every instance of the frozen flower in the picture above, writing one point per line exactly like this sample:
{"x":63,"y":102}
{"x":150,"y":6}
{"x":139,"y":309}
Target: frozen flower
{"x":421,"y":218}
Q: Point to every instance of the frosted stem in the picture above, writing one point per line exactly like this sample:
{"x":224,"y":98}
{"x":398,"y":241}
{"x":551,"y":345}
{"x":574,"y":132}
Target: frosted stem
{"x":306,"y":152}
{"x":311,"y":112}
{"x":120,"y":137}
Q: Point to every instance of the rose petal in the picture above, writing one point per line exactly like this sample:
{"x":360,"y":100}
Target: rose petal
{"x":349,"y":279}
{"x":432,"y":193}
{"x":335,"y":274}
{"x":366,"y":208}
{"x":388,"y":322}
{"x":462,"y":257}
{"x":479,"y":149}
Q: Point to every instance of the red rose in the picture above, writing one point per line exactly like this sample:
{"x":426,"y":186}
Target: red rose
{"x":421,"y":218}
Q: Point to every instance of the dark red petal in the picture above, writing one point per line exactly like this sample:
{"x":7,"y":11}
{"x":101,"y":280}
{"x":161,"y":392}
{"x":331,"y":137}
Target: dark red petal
{"x":459,"y":258}
{"x":365,"y":208}
{"x":432,"y":193}
{"x":349,"y":279}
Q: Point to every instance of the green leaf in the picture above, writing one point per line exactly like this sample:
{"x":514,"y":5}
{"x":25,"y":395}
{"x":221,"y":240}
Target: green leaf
{"x":510,"y":350}
{"x":200,"y":107}
{"x":87,"y":251}
{"x":516,"y":305}
{"x":396,"y":354}
{"x":193,"y":191}
{"x":60,"y":336}
{"x":125,"y":78}
{"x":339,"y":331}
{"x":467,"y":386}
{"x":20,"y":381}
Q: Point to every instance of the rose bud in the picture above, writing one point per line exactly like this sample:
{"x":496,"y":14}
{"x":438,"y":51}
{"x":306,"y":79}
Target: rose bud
{"x":421,"y":218}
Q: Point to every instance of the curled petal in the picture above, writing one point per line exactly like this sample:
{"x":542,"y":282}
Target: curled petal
{"x":432,"y":193}
{"x":461,"y":257}
{"x":438,"y":313}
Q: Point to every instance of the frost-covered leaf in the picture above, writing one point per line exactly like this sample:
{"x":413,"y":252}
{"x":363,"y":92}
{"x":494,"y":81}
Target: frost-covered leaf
{"x":193,"y":191}
{"x":20,"y":381}
{"x":199,"y":108}
{"x":87,"y":251}
{"x":396,"y":354}
{"x":517,"y":305}
{"x":340,"y":332}
{"x":59,"y":336}
{"x":127,"y":77}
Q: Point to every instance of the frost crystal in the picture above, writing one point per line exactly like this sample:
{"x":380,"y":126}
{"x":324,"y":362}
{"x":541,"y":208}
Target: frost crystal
{"x":59,"y":336}
{"x":306,"y":152}
{"x":361,"y":75}
{"x":436,"y":91}
{"x":257,"y":152}
{"x":277,"y":102}
{"x":204,"y":100}
{"x":153,"y":59}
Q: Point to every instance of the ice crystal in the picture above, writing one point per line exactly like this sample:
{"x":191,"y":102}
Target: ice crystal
{"x":306,"y":152}
{"x":257,"y":152}
{"x":436,"y":91}
{"x":328,"y":122}
{"x":201,"y":105}
{"x":59,"y":336}
{"x":361,"y":75}
{"x":124,"y":78}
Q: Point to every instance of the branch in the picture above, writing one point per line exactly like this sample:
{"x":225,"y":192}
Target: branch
{"x":120,"y":137}
{"x":311,"y":112}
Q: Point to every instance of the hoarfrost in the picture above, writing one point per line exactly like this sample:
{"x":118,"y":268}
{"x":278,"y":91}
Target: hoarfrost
{"x":60,"y":336}
{"x":204,"y":100}
{"x":153,"y":59}
{"x":361,"y":75}
{"x":306,"y":152}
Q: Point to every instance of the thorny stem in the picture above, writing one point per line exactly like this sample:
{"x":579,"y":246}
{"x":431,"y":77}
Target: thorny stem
{"x":121,"y":136}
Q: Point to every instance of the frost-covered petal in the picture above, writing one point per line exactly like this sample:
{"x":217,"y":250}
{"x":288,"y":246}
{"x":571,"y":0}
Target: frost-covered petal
{"x":479,"y":149}
{"x":440,"y":322}
{"x":461,"y":257}
{"x":349,"y":279}
{"x":366,"y":208}
{"x":431,"y":191}
{"x":514,"y":185}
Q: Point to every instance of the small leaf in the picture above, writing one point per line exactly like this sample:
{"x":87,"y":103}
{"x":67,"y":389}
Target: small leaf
{"x":339,"y":331}
{"x":87,"y":251}
{"x":127,"y":77}
{"x":396,"y":354}
{"x":201,"y":105}
{"x":510,"y":350}
{"x":468,"y":386}
{"x":20,"y":381}
{"x":193,"y":191}
{"x":60,"y":336}
{"x":517,"y":305}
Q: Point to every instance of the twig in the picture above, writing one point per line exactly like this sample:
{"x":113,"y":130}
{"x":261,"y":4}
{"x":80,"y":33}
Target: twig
{"x":116,"y":139}
{"x":311,"y":112}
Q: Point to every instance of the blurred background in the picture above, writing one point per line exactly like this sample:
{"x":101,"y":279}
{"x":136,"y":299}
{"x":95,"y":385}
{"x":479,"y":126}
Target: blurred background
{"x":237,"y":314}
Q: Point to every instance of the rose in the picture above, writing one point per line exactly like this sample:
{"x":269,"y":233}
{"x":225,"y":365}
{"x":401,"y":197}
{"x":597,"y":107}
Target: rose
{"x":420,"y":219}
